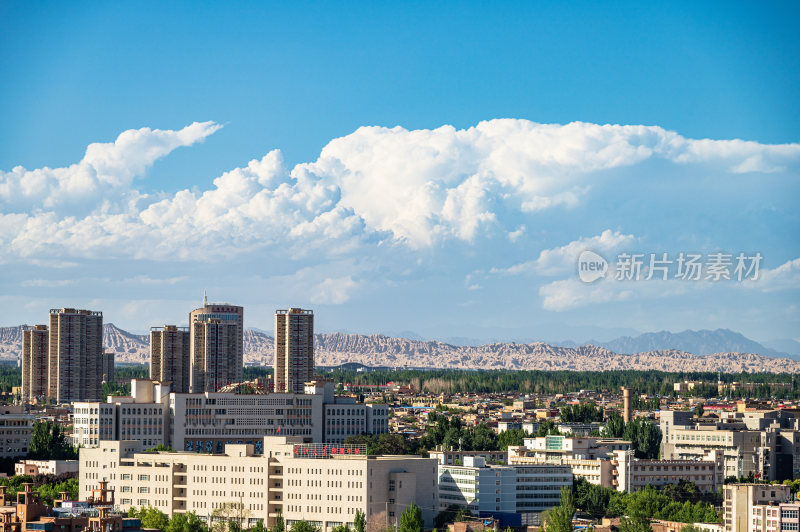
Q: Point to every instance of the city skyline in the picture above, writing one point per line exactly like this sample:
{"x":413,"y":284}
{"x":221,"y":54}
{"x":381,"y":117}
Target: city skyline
{"x":380,"y":167}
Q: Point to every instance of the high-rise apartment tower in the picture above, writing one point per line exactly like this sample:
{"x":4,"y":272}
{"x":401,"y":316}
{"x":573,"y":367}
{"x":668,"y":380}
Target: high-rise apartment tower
{"x":294,"y":349}
{"x":169,"y":356}
{"x":216,"y":346}
{"x":34,"y":363}
{"x":75,"y":360}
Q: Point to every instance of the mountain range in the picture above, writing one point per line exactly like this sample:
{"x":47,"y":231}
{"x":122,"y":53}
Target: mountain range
{"x":719,"y":350}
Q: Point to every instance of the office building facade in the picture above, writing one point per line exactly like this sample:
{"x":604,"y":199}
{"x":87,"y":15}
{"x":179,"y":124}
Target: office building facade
{"x":206,"y":422}
{"x":319,"y":483}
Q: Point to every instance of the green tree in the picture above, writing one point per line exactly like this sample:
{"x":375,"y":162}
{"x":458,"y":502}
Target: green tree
{"x":258,"y":527}
{"x":360,"y":522}
{"x":559,"y":519}
{"x":342,"y":528}
{"x":597,"y":502}
{"x":645,"y":438}
{"x":303,"y":526}
{"x":629,"y":524}
{"x":511,"y":437}
{"x":280,"y":524}
{"x":186,"y":522}
{"x":615,"y":426}
{"x":49,"y":442}
{"x":411,"y":520}
{"x":151,"y":517}
{"x":699,"y":411}
{"x":51,"y":491}
{"x":582,"y":413}
{"x":451,"y":514}
{"x":547,"y":427}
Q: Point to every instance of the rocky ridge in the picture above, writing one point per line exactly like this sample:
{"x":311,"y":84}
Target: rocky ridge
{"x":379,"y":350}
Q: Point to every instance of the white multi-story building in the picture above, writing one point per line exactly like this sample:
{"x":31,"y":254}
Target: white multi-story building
{"x":141,"y":416}
{"x":206,"y":422}
{"x":15,"y":431}
{"x":516,"y":495}
{"x":620,"y":470}
{"x":320,"y":483}
{"x":757,"y":507}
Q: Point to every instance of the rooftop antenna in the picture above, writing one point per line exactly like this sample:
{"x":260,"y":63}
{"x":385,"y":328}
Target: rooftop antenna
{"x":205,"y":299}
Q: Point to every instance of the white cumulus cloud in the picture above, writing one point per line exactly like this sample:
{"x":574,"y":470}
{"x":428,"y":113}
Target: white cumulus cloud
{"x":416,"y":188}
{"x":565,"y":258}
{"x":105,"y":168}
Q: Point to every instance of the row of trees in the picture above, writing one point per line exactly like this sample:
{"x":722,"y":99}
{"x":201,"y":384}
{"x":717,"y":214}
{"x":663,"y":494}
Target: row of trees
{"x":223,"y":521}
{"x":501,"y":381}
{"x":587,"y":412}
{"x":683,"y":503}
{"x":49,"y":487}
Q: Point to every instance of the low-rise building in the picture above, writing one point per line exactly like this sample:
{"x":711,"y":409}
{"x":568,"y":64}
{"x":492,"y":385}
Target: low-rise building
{"x":632,"y":474}
{"x":515,"y":495}
{"x":745,"y":505}
{"x":45,"y":467}
{"x":15,"y":431}
{"x":321,"y":483}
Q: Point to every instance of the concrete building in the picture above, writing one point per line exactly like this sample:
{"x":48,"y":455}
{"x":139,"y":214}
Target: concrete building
{"x":669,"y":419}
{"x":169,"y":356}
{"x":75,"y":360}
{"x":742,"y":499}
{"x":515,"y":495}
{"x":319,"y":483}
{"x":617,"y":468}
{"x":554,"y":448}
{"x":294,"y":349}
{"x":457,"y":457}
{"x":632,"y":474}
{"x":15,"y":431}
{"x":745,"y":452}
{"x":141,"y":416}
{"x":35,"y":353}
{"x":596,"y":471}
{"x":775,"y":517}
{"x":206,"y":422}
{"x":216,"y":345}
{"x":45,"y":467}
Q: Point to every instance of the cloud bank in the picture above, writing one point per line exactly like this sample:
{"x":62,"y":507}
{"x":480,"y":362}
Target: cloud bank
{"x":414,"y":188}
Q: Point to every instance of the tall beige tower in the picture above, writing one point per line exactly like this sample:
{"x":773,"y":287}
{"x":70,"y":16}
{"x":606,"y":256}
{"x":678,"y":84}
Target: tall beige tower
{"x":169,"y":356}
{"x":294,"y":349}
{"x":34,"y":363}
{"x":75,"y":360}
{"x":216,"y":346}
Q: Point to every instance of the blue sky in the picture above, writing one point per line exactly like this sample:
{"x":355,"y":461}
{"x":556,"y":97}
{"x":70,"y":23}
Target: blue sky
{"x":456,"y":224}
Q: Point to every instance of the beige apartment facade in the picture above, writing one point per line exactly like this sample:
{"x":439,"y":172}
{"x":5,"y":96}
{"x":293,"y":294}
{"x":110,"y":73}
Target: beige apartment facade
{"x":169,"y":356}
{"x":216,"y":346}
{"x":75,"y":361}
{"x":35,"y":353}
{"x":320,"y":483}
{"x":742,"y":501}
{"x":294,"y":349}
{"x":15,"y":431}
